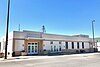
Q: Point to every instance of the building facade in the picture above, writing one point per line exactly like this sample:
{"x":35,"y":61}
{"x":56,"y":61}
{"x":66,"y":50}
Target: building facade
{"x":32,"y":42}
{"x":98,"y":43}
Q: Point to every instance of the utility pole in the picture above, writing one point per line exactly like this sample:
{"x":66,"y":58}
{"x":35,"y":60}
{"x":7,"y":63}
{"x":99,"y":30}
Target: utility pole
{"x":93,"y":32}
{"x":7,"y":30}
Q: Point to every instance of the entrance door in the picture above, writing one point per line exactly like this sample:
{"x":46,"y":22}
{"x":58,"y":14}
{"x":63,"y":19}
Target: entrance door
{"x":33,"y":48}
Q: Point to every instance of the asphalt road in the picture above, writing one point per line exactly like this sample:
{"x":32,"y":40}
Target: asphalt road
{"x":57,"y":61}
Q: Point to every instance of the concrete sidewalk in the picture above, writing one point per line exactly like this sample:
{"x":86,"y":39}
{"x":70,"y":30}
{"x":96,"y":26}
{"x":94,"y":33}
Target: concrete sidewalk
{"x":21,"y":58}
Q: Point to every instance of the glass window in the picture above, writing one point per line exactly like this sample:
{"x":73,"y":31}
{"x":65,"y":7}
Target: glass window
{"x":59,"y":42}
{"x":32,"y":48}
{"x":35,"y":43}
{"x":82,"y":44}
{"x":32,"y":43}
{"x":51,"y":42}
{"x":66,"y":45}
{"x":59,"y":48}
{"x":54,"y":48}
{"x":78,"y":45}
{"x":72,"y":45}
{"x":29,"y":43}
{"x":36,"y":48}
{"x":51,"y":49}
{"x":28,"y":49}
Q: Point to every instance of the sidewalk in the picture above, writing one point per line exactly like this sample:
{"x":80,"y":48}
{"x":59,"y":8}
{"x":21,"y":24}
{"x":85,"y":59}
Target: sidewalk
{"x":21,"y":58}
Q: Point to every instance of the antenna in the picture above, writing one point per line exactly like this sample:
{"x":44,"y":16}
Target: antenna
{"x":19,"y":27}
{"x":43,"y":29}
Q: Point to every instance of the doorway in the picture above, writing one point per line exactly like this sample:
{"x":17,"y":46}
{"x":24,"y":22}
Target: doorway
{"x":33,"y":48}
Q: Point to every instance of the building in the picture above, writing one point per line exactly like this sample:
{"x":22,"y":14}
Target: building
{"x":98,"y":43}
{"x":32,"y":42}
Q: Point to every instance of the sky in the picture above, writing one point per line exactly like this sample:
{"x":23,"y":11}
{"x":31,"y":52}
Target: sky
{"x":66,"y":17}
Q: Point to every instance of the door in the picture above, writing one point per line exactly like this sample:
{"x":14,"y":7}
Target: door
{"x":33,"y":48}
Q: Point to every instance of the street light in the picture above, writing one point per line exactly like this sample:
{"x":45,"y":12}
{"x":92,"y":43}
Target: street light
{"x":93,"y":32}
{"x":7,"y":30}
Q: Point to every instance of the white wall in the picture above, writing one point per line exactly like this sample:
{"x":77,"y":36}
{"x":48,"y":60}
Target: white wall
{"x":23,"y":34}
{"x":19,"y":45}
{"x":10,"y":35}
{"x":98,"y":46}
{"x":10,"y":47}
{"x":86,"y":45}
{"x":80,"y":45}
{"x":47,"y":45}
{"x":64,"y":37}
{"x":69,"y":45}
{"x":19,"y":35}
{"x":32,"y":34}
{"x":2,"y":45}
{"x":75,"y":45}
{"x":3,"y":40}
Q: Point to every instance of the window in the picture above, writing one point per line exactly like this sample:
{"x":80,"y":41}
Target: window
{"x":72,"y":45}
{"x":51,"y":42}
{"x":28,"y":49}
{"x":32,"y":43}
{"x":78,"y":45}
{"x":59,"y":48}
{"x":82,"y":44}
{"x":29,"y":43}
{"x":36,"y":48}
{"x":59,"y":42}
{"x":32,"y":48}
{"x":51,"y":49}
{"x":35,"y":43}
{"x":66,"y":45}
{"x":54,"y":48}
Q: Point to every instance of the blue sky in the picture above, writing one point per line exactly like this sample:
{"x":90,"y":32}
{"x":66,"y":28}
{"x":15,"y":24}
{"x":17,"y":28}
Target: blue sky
{"x":66,"y":17}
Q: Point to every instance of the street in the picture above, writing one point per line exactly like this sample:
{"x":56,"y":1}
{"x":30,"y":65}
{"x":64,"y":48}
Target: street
{"x":80,"y":60}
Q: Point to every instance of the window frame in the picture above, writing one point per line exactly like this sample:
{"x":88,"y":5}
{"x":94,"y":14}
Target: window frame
{"x":51,"y":48}
{"x":66,"y":45}
{"x":78,"y":46}
{"x":72,"y":45}
{"x":59,"y":48}
{"x":51,"y":42}
{"x":82,"y":44}
{"x":60,"y":42}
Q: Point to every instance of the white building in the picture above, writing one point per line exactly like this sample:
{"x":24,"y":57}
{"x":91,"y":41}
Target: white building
{"x":98,"y":43}
{"x":39,"y":43}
